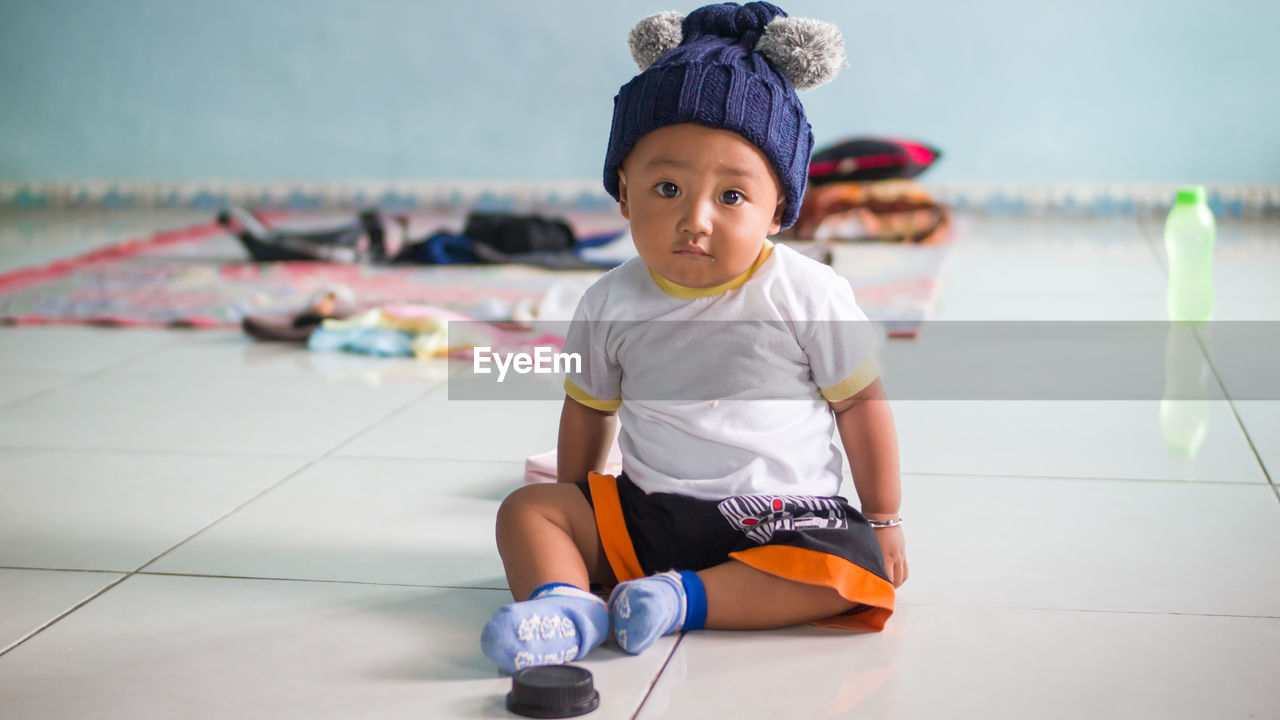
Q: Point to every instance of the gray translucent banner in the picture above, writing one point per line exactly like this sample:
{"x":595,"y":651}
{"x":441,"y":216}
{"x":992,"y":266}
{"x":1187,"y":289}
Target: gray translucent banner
{"x":946,"y":361}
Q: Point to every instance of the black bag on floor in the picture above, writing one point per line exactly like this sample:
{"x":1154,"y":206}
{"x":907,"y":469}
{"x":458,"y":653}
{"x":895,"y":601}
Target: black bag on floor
{"x":517,"y":234}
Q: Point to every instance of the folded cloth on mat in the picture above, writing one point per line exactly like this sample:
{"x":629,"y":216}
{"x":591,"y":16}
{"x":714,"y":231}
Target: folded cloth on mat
{"x":367,"y":341}
{"x":422,"y":331}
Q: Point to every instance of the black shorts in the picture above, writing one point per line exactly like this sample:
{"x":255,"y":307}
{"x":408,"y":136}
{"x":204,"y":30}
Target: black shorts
{"x":815,"y":540}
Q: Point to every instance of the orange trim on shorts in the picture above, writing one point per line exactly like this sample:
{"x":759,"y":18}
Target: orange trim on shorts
{"x":613,"y":528}
{"x":854,"y":583}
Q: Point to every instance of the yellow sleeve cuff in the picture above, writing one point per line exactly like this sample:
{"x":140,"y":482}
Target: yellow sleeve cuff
{"x":854,"y":384}
{"x":585,"y":398}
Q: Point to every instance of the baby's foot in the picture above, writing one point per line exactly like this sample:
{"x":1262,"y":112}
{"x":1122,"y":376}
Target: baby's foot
{"x":646,"y":609}
{"x":558,"y":624}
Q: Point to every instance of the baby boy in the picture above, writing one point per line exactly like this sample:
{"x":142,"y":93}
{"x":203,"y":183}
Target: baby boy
{"x":730,"y":363}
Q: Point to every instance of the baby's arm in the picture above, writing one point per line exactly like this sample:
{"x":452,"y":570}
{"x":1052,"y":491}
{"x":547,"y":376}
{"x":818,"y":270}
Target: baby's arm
{"x":870,"y":440}
{"x":586,"y":435}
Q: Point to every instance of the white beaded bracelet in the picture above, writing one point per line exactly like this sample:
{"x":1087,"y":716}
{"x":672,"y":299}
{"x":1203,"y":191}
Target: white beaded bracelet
{"x":877,"y":524}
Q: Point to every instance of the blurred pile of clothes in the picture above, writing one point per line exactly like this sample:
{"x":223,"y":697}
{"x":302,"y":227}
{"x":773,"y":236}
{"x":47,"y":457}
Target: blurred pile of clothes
{"x":863,"y":189}
{"x":860,"y":189}
{"x":382,"y":238}
{"x":332,"y":320}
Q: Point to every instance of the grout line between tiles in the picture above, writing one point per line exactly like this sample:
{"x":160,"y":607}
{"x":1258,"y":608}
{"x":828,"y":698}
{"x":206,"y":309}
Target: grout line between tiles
{"x":231,"y":512}
{"x":18,"y":402}
{"x":326,"y":455}
{"x":157,"y":573}
{"x":397,"y":458}
{"x":70,"y":570}
{"x":1154,"y":481}
{"x":14,"y":401}
{"x":92,"y":374}
{"x":387,"y":417}
{"x":1093,"y":611}
{"x":224,"y":516}
{"x":1236,"y":412}
{"x":214,"y":576}
{"x":62,"y":450}
{"x":654,"y":682}
{"x":208,"y":576}
{"x":1150,"y":242}
{"x":1256,"y":455}
{"x":62,"y":615}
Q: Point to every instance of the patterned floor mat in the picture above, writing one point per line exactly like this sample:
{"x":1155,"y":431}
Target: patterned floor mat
{"x":199,"y":277}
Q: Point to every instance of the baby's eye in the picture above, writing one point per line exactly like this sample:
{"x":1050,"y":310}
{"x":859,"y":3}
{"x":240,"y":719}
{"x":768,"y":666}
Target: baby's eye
{"x":667,"y":189}
{"x":732,"y":197}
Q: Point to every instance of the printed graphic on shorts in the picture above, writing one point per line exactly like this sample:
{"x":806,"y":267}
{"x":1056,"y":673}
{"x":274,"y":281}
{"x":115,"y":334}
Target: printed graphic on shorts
{"x":760,"y":516}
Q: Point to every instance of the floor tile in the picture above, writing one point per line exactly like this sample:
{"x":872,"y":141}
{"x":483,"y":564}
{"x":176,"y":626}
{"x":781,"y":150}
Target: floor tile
{"x":1108,"y":545}
{"x":380,"y":521}
{"x":1115,"y":439}
{"x":37,"y":237}
{"x":1068,"y":559}
{"x":1244,"y":357}
{"x":436,"y":427}
{"x":1262,"y":421}
{"x":232,"y":354}
{"x":31,"y":598}
{"x":1052,"y":360}
{"x":117,"y":510}
{"x":76,"y":349}
{"x":1037,"y":258}
{"x":1246,"y":307}
{"x":15,"y":386}
{"x":1100,"y":307}
{"x":164,"y":647}
{"x":239,"y":415}
{"x":935,"y":662}
{"x":1246,"y":254}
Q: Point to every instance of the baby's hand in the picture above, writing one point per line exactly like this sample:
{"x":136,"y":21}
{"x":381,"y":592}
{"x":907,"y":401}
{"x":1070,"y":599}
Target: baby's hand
{"x":894,"y":548}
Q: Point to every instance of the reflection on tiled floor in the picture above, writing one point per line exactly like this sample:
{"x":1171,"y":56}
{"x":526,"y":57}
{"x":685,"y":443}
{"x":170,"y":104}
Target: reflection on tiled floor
{"x":193,"y":525}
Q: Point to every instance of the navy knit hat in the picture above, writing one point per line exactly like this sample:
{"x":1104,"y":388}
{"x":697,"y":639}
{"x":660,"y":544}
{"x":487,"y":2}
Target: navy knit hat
{"x":730,"y":67}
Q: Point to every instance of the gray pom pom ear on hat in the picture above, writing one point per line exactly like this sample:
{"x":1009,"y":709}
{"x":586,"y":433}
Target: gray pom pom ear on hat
{"x":655,"y":36}
{"x":809,"y":52}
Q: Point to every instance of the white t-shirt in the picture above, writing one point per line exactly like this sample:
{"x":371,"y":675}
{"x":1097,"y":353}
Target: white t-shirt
{"x":724,"y":391}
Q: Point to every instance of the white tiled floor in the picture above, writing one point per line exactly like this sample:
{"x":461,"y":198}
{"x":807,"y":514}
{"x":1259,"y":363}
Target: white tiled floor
{"x":193,"y":525}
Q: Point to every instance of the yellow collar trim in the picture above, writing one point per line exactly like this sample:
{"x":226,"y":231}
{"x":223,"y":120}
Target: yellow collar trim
{"x":691,"y":293}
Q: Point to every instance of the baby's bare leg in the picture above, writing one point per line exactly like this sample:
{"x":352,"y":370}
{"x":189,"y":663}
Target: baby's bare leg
{"x":739,"y":597}
{"x":549,"y":545}
{"x":729,"y":596}
{"x":547,"y":533}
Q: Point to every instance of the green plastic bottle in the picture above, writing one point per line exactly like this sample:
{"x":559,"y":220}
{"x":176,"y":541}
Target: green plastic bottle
{"x":1189,"y":234}
{"x":1184,"y":409}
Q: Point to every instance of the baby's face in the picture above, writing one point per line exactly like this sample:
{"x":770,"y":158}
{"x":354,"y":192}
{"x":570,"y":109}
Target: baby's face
{"x":700,"y":202}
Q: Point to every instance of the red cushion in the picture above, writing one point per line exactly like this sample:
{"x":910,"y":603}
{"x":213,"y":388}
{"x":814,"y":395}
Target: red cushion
{"x":863,"y":159}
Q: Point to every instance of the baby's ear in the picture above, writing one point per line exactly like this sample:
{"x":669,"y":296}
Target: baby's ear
{"x":776,"y":226}
{"x":622,"y":195}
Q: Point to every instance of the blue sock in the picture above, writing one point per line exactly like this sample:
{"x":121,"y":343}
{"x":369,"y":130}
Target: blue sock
{"x":646,"y":609}
{"x":557,"y":624}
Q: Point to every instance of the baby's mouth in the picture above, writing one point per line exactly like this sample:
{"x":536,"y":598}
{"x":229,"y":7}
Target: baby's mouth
{"x":692,"y":251}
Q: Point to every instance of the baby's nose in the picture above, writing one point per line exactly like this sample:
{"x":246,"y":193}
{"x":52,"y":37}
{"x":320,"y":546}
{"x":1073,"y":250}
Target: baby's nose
{"x":696,"y":218}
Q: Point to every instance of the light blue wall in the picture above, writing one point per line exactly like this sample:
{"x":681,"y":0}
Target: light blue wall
{"x":1030,"y":91}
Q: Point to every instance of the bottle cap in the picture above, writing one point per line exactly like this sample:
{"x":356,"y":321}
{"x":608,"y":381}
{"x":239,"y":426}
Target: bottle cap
{"x":1191,"y":195}
{"x":552,"y":691}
